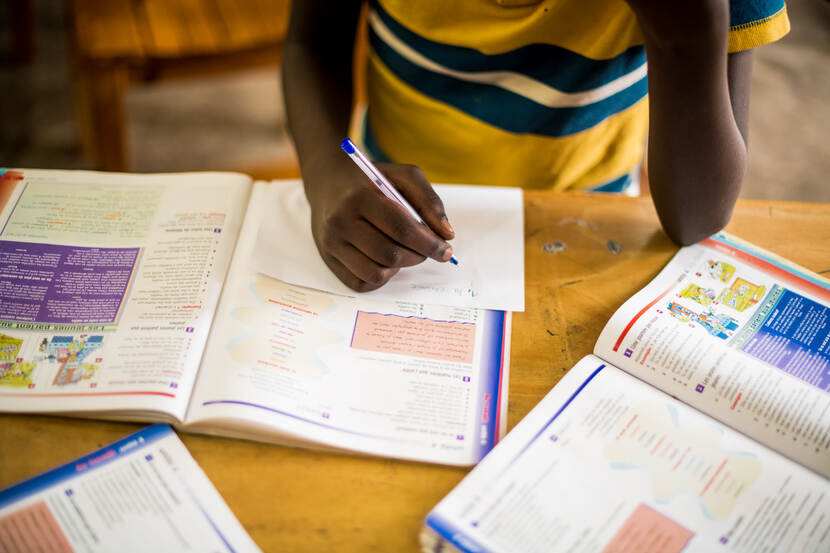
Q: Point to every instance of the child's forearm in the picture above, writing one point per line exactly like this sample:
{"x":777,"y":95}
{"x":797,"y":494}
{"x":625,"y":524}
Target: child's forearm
{"x":317,"y":84}
{"x":697,"y":154}
{"x":698,"y":98}
{"x":361,"y":237}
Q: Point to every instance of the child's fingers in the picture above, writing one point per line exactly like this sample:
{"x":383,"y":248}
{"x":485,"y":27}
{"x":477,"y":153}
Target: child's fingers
{"x":378,"y":247}
{"x":415,"y":187}
{"x":344,"y":274}
{"x":370,"y":274}
{"x":396,"y":223}
{"x":364,"y":237}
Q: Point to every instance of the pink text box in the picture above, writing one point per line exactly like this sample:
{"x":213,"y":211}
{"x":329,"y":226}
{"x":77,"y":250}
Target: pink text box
{"x":444,"y":340}
{"x":648,"y":531}
{"x":32,"y":528}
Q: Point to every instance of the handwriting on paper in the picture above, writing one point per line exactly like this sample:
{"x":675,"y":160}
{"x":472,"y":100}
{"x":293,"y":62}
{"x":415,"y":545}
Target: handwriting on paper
{"x":444,"y":340}
{"x":459,"y":291}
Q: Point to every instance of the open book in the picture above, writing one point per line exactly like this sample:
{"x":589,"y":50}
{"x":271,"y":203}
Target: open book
{"x":701,"y":423}
{"x":110,"y":307}
{"x":144,"y":492}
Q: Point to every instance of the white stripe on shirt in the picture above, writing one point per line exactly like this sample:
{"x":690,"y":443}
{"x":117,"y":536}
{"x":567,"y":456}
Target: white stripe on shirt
{"x":510,"y":80}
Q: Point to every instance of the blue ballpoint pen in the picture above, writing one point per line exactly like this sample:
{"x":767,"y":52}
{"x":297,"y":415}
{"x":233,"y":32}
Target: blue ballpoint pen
{"x":381,"y":181}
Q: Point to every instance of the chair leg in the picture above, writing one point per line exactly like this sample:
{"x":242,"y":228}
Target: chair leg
{"x":23,"y":30}
{"x":102,"y":115}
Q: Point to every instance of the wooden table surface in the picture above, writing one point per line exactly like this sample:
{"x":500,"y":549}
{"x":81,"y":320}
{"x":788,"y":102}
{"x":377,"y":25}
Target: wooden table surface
{"x":293,"y":500}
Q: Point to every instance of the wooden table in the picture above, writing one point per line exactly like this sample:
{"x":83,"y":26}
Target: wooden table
{"x":305,"y":501}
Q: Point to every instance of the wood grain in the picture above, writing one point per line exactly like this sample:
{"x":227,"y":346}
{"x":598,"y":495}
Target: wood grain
{"x":140,"y":29}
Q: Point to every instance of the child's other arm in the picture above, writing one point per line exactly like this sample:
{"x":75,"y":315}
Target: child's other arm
{"x":698,"y":110}
{"x":363,"y":237}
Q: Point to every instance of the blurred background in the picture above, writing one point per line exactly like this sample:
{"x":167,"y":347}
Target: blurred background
{"x":185,"y":85}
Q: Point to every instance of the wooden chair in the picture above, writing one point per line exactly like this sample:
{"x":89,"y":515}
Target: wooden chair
{"x":114,"y":43}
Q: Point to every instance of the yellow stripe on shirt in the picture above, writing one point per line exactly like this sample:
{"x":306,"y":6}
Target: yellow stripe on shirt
{"x":453,"y":147}
{"x":757,"y":33}
{"x":492,"y":28}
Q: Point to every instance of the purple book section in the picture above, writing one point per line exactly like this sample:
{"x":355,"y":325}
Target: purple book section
{"x":52,"y":284}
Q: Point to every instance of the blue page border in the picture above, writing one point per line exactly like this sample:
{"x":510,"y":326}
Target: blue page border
{"x":97,"y":459}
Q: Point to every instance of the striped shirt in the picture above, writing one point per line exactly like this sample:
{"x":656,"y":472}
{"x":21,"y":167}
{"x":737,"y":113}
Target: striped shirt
{"x":533,"y":93}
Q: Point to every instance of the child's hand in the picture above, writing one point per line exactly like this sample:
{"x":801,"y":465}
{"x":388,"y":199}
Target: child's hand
{"x":364,"y":237}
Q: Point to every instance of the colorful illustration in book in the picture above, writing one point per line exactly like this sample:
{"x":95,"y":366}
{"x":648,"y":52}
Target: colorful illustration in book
{"x":14,"y":371}
{"x":718,"y":325}
{"x":71,"y":353}
{"x":703,"y":296}
{"x":720,"y":270}
{"x":742,"y":295}
{"x":681,"y":313}
{"x":9,"y":348}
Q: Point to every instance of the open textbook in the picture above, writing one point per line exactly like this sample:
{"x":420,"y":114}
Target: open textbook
{"x":110,"y":307}
{"x":142,"y":493}
{"x":701,"y":423}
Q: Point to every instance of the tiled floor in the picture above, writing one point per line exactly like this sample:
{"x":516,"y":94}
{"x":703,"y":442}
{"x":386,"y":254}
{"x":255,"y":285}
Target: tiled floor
{"x":238,"y":118}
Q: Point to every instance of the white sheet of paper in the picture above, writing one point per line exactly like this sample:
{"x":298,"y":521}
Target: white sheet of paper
{"x":489,"y":244}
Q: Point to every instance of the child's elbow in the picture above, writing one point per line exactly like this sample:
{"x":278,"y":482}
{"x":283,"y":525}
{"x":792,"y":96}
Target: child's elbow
{"x":699,"y":205}
{"x":691,"y":227}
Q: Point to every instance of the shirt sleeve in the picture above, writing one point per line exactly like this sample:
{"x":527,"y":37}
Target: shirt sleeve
{"x":756,"y":22}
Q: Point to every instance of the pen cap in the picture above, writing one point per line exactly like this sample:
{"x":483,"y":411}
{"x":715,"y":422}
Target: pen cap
{"x":348,"y":146}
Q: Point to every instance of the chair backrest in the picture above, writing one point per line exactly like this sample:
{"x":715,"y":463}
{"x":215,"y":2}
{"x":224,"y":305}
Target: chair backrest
{"x":146,"y":29}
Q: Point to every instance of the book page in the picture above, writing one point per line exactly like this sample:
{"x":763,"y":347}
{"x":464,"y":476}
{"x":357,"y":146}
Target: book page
{"x":142,"y":493}
{"x":489,"y":244}
{"x":606,"y":463}
{"x":402,"y":379}
{"x":108,"y":286}
{"x":739,"y":334}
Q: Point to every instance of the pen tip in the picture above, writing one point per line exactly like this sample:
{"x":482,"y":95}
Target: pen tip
{"x":454,"y":261}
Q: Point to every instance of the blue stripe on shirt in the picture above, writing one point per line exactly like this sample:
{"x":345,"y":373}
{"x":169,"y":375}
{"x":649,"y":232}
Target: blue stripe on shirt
{"x":371,"y":145}
{"x":746,"y":11}
{"x":501,"y":108}
{"x":618,"y":185}
{"x":554,"y":66}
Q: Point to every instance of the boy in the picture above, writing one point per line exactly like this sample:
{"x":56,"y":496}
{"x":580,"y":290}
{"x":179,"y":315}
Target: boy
{"x":556,"y":87}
